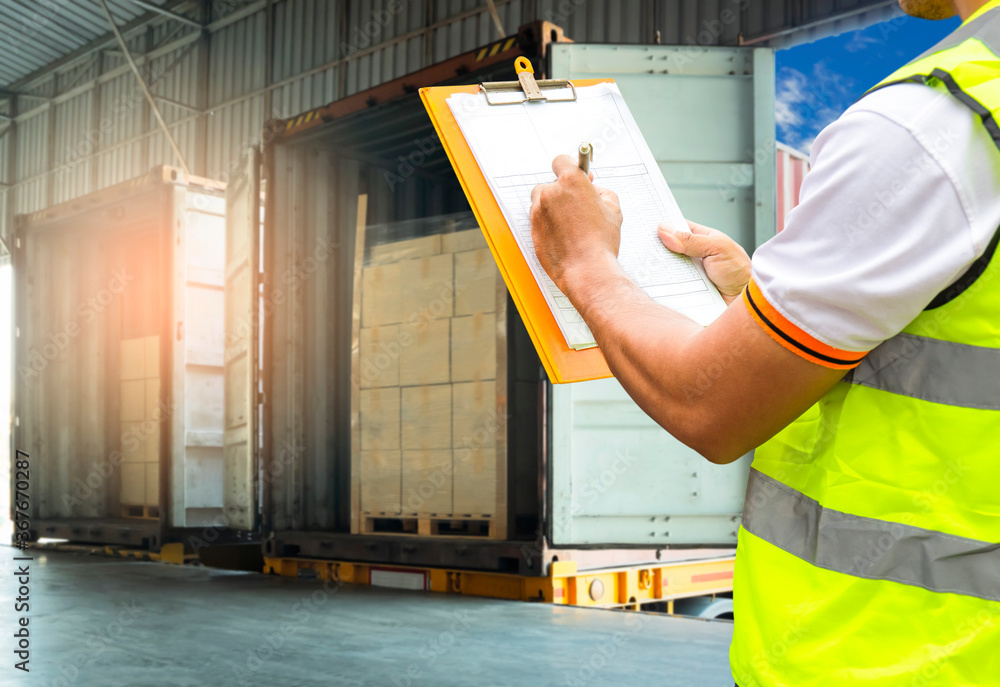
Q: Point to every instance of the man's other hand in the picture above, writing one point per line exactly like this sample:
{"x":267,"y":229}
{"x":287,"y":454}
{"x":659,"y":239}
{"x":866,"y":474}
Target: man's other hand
{"x":575,"y":225}
{"x":725,"y":261}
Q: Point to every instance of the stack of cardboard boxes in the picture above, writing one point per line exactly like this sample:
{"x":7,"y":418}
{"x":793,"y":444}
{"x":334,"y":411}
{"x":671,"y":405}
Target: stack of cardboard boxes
{"x":140,"y":427}
{"x":428,"y":395}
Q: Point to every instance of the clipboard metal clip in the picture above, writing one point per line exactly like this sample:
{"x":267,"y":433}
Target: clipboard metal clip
{"x":526,"y":85}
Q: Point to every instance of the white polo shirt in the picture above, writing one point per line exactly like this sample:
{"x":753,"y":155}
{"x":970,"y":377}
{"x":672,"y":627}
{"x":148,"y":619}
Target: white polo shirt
{"x":903,"y":196}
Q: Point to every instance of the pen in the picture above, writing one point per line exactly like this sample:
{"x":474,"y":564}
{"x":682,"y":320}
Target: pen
{"x":586,"y":155}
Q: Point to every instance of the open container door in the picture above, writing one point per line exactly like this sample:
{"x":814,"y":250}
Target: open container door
{"x":240,"y":361}
{"x":616,"y":477}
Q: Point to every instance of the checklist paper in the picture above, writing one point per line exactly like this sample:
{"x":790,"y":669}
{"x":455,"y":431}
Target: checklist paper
{"x":514,"y":145}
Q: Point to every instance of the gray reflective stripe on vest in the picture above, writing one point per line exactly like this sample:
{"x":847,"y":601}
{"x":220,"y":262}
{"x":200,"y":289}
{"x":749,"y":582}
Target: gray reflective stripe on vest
{"x":869,"y":548}
{"x":986,"y":28}
{"x":931,"y":370}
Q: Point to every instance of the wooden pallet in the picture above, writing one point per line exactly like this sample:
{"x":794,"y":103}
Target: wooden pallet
{"x":478,"y":526}
{"x":142,"y":512}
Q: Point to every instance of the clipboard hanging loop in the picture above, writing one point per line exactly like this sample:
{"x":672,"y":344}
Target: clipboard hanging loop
{"x":526,"y":85}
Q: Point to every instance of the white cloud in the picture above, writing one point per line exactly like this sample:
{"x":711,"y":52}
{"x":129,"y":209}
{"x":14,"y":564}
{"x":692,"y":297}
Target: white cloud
{"x":859,"y":41}
{"x":806,"y":103}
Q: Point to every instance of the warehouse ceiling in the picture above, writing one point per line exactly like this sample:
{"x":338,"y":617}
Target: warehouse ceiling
{"x":37,"y":34}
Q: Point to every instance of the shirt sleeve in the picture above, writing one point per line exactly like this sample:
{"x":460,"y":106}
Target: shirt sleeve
{"x":881,"y":229}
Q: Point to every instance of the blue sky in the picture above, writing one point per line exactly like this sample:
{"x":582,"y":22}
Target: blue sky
{"x":817,"y":81}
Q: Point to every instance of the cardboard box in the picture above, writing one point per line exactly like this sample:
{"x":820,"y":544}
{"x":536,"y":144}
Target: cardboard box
{"x":425,"y":353}
{"x":133,"y":484}
{"x":420,"y":247}
{"x":380,"y":295}
{"x":428,"y":288}
{"x":152,"y":356}
{"x":380,"y":481}
{"x":133,"y":400}
{"x":476,"y":279}
{"x":133,"y":441}
{"x":152,"y":401}
{"x":379,"y":419}
{"x":152,"y":484}
{"x":151,"y":442}
{"x":426,"y":415}
{"x":427,"y":482}
{"x":475,"y":490}
{"x":470,"y":239}
{"x":475,"y":422}
{"x":133,"y":365}
{"x":473,"y":348}
{"x":380,"y":351}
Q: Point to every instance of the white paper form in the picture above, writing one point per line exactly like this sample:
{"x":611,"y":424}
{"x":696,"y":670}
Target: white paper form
{"x":514,"y":146}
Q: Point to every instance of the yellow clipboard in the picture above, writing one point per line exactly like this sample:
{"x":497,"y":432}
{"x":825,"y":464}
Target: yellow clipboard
{"x":562,"y":363}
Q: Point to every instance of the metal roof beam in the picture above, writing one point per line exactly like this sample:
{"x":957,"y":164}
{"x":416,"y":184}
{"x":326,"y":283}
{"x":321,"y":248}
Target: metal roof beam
{"x":167,"y":13}
{"x":10,"y":94}
{"x":177,"y":103}
{"x":145,"y":88}
{"x":840,"y":15}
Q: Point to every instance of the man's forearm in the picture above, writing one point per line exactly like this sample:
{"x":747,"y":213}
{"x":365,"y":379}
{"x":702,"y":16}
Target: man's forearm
{"x":648,"y":346}
{"x":722,"y":389}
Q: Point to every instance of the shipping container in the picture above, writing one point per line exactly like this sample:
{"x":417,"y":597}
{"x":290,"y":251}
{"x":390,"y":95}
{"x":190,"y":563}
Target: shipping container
{"x":792,"y":166}
{"x":118,"y":363}
{"x":360,"y":194}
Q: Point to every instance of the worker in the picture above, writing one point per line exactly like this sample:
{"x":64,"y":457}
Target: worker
{"x":860,"y":357}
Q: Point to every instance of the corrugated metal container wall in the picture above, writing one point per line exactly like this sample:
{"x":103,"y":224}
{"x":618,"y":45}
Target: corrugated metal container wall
{"x":73,"y":124}
{"x":791,"y":167}
{"x":307,"y":472}
{"x":75,"y":135}
{"x":235,"y":68}
{"x":122,"y":108}
{"x":175,"y":76}
{"x":306,"y":38}
{"x":32,"y":162}
{"x":384,"y":40}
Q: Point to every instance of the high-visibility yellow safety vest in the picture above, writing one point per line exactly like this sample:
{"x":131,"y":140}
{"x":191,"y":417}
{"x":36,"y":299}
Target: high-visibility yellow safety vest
{"x":870,"y":547}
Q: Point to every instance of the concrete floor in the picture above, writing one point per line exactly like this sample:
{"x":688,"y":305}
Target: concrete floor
{"x":98,"y":621}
